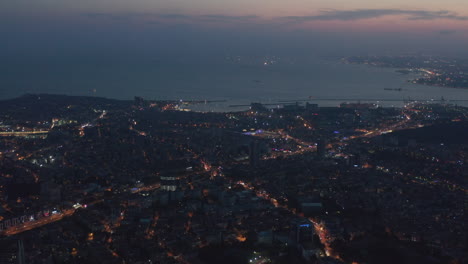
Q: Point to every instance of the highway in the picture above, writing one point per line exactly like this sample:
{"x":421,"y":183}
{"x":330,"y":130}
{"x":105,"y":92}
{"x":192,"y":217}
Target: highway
{"x":38,"y":223}
{"x":59,"y":216}
{"x":23,"y":133}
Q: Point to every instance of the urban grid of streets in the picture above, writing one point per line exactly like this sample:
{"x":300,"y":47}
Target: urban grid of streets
{"x":405,"y":123}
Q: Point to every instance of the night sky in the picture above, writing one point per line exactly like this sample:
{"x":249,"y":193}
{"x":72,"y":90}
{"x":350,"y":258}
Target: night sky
{"x":65,"y":27}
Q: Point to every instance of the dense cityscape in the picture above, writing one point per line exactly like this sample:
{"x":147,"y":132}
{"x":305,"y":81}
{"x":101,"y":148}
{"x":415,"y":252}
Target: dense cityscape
{"x":95,"y":180}
{"x":234,"y":132}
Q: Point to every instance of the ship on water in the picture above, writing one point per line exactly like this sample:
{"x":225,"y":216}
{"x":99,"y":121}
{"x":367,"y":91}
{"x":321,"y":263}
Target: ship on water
{"x":394,"y":89}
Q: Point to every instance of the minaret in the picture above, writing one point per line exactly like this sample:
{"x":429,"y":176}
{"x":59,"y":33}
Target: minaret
{"x":21,"y":258}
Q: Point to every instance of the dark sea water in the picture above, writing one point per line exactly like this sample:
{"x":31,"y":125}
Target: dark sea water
{"x":236,"y":82}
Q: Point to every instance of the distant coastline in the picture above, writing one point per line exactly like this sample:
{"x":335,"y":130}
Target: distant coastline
{"x":431,"y":71}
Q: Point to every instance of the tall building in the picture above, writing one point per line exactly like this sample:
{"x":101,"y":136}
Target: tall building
{"x":169,"y":183}
{"x":304,"y":232}
{"x":254,"y":153}
{"x":321,"y":148}
{"x":171,"y":189}
{"x":21,"y":258}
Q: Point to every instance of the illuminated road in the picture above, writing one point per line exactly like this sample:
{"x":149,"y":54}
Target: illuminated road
{"x":302,"y":145}
{"x":23,"y":133}
{"x":146,"y":188}
{"x":59,"y":216}
{"x":38,"y":223}
{"x":320,"y":229}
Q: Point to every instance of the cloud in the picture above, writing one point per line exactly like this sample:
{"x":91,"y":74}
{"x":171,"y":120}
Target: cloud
{"x":225,"y":17}
{"x":176,"y":17}
{"x":360,"y":14}
{"x":446,"y":32}
{"x":106,"y":16}
{"x":169,"y":16}
{"x":277,"y":22}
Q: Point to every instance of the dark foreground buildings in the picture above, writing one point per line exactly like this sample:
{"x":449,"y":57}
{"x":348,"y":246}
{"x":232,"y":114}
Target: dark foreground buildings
{"x":92,"y":180}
